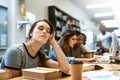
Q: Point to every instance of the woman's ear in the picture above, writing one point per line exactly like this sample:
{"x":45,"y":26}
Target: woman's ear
{"x":30,"y":34}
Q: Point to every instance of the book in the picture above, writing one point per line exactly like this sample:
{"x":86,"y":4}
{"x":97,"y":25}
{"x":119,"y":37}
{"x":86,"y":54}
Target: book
{"x":3,"y":75}
{"x":89,"y":67}
{"x":41,"y":73}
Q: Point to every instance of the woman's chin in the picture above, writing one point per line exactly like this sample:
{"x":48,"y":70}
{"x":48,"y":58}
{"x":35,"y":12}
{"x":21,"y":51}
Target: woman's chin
{"x":72,"y":46}
{"x":43,"y":41}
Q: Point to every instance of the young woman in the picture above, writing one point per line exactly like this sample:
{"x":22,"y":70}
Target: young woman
{"x":80,"y":49}
{"x":28,"y":55}
{"x":67,"y":42}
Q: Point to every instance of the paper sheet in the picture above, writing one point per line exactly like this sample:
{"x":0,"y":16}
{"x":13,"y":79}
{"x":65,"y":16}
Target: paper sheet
{"x":101,"y":75}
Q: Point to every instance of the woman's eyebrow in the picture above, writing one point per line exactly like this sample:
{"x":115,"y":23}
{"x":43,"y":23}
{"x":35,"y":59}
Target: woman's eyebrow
{"x":44,"y":27}
{"x":41,"y":26}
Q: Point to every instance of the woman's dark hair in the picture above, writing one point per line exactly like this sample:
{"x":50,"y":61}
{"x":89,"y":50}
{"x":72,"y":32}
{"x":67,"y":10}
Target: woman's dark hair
{"x":83,"y":35}
{"x":34,"y":25}
{"x":69,"y":18}
{"x":84,"y":38}
{"x":40,"y":53}
{"x":65,"y":42}
{"x":78,"y":33}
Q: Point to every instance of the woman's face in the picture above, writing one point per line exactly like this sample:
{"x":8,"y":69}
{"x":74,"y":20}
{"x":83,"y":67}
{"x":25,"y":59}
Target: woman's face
{"x":79,"y":40}
{"x":72,"y":41}
{"x":69,"y":23}
{"x":41,"y":32}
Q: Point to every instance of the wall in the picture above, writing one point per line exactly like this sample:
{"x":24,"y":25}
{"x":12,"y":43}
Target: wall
{"x":4,"y":3}
{"x":39,"y":8}
{"x":14,"y":35}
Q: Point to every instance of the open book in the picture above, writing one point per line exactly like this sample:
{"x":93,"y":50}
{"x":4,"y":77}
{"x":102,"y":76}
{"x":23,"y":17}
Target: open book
{"x":88,"y":67}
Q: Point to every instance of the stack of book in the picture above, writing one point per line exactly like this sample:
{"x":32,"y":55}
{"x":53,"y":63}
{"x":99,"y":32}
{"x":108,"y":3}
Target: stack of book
{"x":41,"y":73}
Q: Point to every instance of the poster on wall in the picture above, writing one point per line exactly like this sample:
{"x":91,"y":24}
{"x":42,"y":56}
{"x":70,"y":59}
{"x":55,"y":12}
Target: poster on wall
{"x":3,"y":27}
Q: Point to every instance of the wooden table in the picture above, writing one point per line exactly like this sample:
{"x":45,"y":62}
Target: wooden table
{"x":107,"y":67}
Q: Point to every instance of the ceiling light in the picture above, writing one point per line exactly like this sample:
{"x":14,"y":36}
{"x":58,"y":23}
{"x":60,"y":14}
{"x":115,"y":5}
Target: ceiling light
{"x":97,"y":6}
{"x":103,"y":14}
{"x":109,"y":23}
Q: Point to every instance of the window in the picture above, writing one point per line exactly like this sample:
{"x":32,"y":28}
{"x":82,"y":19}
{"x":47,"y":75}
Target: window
{"x":3,"y":27}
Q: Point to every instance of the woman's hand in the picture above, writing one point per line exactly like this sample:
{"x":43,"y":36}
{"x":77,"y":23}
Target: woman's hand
{"x":106,"y":50}
{"x":52,"y":38}
{"x":91,"y":60}
{"x":62,"y":64}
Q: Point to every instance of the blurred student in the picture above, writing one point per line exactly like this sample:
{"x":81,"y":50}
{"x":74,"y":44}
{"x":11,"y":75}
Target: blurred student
{"x":80,"y":48}
{"x":29,"y":55}
{"x":68,"y":25}
{"x":67,"y":42}
{"x":103,"y":40}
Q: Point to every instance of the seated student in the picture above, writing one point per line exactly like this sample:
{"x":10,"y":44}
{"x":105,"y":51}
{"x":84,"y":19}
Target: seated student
{"x":68,"y":25}
{"x":80,"y":45}
{"x":29,"y":55}
{"x":67,"y":44}
{"x":80,"y":49}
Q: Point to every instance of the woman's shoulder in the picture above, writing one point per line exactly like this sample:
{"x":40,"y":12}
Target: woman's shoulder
{"x":15,"y":48}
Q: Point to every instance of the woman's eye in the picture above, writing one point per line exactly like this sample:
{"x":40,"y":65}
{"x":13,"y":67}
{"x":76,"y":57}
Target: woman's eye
{"x":47,"y":29}
{"x":73,"y":39}
{"x":41,"y":28}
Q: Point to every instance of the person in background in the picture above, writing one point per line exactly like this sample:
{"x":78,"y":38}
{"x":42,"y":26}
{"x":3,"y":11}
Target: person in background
{"x":67,"y":44}
{"x":103,"y":40}
{"x":29,"y":55}
{"x":80,"y":49}
{"x":68,"y":25}
{"x":84,"y":38}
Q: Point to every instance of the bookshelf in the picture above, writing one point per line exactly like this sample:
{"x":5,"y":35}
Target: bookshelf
{"x":58,"y":19}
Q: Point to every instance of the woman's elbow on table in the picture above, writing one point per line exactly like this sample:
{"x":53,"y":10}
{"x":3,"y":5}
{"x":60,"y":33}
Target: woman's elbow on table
{"x":65,"y":68}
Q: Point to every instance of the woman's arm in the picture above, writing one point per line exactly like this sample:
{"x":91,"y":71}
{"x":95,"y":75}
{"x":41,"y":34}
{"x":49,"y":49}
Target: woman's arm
{"x":62,"y":64}
{"x":102,"y":47}
{"x":11,"y":61}
{"x":86,"y":60}
{"x":12,"y":73}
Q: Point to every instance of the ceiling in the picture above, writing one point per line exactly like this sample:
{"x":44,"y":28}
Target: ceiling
{"x":90,"y":12}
